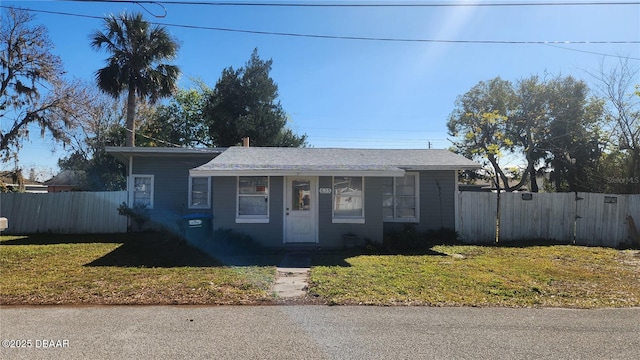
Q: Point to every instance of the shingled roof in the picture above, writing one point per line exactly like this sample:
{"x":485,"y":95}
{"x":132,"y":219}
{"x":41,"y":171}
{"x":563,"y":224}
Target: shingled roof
{"x":254,"y":161}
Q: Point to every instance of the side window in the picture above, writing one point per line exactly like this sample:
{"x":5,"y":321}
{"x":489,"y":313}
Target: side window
{"x":199,"y":192}
{"x":142,"y":190}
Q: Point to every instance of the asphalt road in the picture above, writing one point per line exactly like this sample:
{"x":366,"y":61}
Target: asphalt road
{"x":317,"y":332}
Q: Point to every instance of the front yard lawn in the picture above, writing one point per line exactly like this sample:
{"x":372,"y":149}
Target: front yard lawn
{"x":153,"y":268}
{"x":540,"y":276}
{"x":122,"y":269}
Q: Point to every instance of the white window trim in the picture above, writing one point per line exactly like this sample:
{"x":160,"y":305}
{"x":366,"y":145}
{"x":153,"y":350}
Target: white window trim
{"x":208,"y":205}
{"x":415,"y":219}
{"x":252,"y":219}
{"x":346,"y":219}
{"x":132,"y":183}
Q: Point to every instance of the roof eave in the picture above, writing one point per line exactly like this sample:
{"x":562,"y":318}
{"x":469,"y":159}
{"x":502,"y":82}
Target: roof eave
{"x":442,"y":167}
{"x":267,"y":172}
{"x":122,"y":153}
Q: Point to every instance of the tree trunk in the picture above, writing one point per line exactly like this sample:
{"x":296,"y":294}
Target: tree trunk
{"x":131,"y":114}
{"x":532,"y":179}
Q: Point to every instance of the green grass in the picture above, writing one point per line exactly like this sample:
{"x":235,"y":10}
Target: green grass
{"x":537,"y":276}
{"x":153,"y":268}
{"x":122,"y":269}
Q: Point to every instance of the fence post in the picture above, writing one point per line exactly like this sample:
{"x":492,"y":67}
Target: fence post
{"x":576,"y":218}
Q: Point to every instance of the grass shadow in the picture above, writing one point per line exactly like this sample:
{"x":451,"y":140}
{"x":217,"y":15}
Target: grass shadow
{"x":159,"y":249}
{"x":165,"y":250}
{"x":160,"y":252}
{"x":233,"y":255}
{"x":339,"y":257}
{"x":53,"y":239}
{"x":523,"y":243}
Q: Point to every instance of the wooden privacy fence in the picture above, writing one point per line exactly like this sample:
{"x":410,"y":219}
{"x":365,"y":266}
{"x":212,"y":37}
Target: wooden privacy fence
{"x":586,"y":218}
{"x":64,"y":212}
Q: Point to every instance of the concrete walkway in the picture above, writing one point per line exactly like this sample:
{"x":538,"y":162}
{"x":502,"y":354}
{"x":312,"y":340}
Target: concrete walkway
{"x":292,"y":277}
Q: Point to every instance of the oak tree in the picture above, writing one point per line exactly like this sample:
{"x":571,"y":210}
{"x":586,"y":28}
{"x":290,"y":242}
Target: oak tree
{"x":33,"y":90}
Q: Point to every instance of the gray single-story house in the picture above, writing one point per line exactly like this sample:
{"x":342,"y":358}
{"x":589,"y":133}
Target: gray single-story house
{"x":299,"y":196}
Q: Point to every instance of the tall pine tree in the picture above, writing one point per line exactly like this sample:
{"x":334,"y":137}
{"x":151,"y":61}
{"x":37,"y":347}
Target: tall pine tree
{"x":245,"y":103}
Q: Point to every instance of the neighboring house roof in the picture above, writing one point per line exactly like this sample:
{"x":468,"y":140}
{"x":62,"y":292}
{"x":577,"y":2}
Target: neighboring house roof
{"x":252,"y":161}
{"x":122,"y":153}
{"x":68,"y":177}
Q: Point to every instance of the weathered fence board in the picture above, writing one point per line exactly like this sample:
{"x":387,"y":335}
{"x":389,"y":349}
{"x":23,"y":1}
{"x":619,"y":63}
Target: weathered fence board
{"x":544,"y":216}
{"x":478,"y":213}
{"x":66,"y":212}
{"x":602,"y":218}
{"x":589,"y":219}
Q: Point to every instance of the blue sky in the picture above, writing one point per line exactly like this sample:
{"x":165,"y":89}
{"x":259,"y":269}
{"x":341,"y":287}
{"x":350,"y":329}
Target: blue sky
{"x":359,"y":93}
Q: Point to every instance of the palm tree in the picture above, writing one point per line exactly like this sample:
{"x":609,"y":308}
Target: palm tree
{"x":137,"y":51}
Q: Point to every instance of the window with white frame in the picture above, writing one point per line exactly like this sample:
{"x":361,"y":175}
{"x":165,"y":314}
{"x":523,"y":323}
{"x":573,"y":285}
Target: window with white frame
{"x":253,"y":199}
{"x":199,"y":193}
{"x":348,"y":199}
{"x":400,"y":199}
{"x":142,"y":190}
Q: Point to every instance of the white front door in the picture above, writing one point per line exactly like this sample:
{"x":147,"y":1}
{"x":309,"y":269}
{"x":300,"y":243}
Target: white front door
{"x":301,"y":207}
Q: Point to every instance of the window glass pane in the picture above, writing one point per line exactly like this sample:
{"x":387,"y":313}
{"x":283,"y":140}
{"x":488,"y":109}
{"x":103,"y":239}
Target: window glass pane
{"x":199,"y":199}
{"x":348,"y":212}
{"x":387,"y":208}
{"x":348,"y":199}
{"x":387,"y":186}
{"x":252,"y":205}
{"x":253,"y":185}
{"x":387,"y":213}
{"x":405,"y":207}
{"x":199,"y":184}
{"x":406,"y":185}
{"x":401,"y":202}
{"x":142,"y":190}
{"x":199,"y":191}
{"x":348,"y":185}
{"x":387,"y":201}
{"x":301,"y":195}
{"x":406,"y":213}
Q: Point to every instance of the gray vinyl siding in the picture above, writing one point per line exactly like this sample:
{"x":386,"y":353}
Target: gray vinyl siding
{"x":224,"y":211}
{"x":170,"y":187}
{"x":437,"y":202}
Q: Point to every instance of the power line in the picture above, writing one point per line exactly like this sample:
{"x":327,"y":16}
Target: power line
{"x":363,"y":38}
{"x":366,"y":139}
{"x":370,"y":4}
{"x":592,"y":52}
{"x":412,"y":131}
